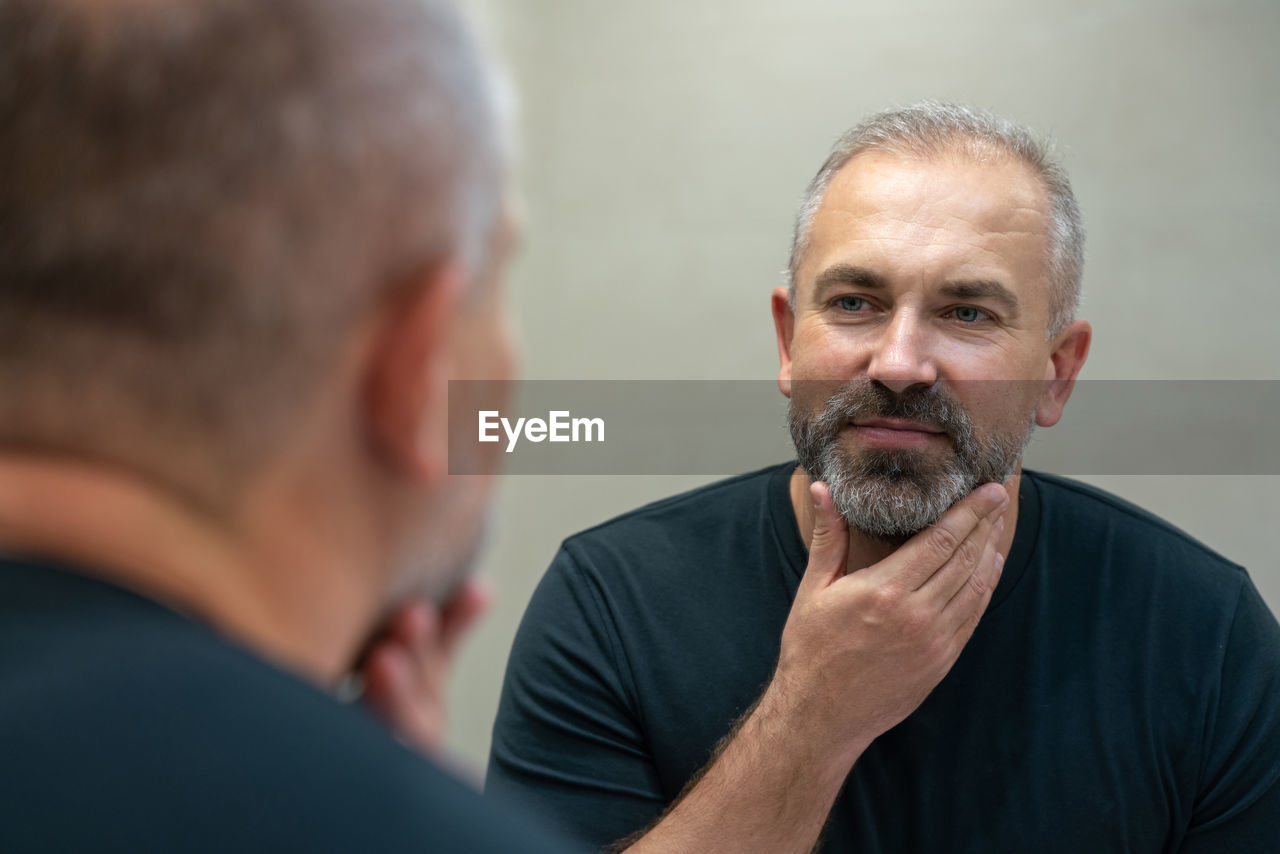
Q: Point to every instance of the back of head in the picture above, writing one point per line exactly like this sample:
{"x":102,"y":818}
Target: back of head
{"x":199,"y":199}
{"x":932,"y":130}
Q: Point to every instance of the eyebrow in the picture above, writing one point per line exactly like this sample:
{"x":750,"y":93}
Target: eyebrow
{"x":846,"y":275}
{"x":983,"y":289}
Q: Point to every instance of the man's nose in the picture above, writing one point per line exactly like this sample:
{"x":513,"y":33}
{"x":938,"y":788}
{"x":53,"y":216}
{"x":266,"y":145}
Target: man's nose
{"x":901,"y":358}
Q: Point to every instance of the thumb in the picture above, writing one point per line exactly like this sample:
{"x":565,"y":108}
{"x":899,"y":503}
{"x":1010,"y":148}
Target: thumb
{"x":829,"y":549}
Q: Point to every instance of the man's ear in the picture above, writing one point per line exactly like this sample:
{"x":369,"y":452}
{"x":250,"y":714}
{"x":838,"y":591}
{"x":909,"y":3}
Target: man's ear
{"x":784,"y":324}
{"x":1070,"y":349}
{"x":407,"y":388}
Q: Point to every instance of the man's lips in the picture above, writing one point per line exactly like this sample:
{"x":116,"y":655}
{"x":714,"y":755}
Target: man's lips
{"x":898,"y":424}
{"x":896,"y":432}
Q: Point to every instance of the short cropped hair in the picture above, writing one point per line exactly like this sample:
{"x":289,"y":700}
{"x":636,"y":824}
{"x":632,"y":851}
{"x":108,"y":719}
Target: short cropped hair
{"x":198,"y":200}
{"x":932,"y":129}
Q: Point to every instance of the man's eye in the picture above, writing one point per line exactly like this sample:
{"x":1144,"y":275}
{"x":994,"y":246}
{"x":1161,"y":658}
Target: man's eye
{"x":969,"y":314}
{"x":852,"y":303}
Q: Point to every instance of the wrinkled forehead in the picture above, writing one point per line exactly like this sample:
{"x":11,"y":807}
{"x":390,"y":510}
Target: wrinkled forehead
{"x":932,"y":215}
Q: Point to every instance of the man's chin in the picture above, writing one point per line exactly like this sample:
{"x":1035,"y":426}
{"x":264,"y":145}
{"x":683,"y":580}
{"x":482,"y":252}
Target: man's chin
{"x":892,"y":507}
{"x":879,"y":533}
{"x":892,"y":541}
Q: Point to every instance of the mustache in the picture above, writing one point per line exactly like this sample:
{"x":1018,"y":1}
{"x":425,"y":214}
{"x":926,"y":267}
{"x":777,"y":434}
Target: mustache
{"x":862,"y":398}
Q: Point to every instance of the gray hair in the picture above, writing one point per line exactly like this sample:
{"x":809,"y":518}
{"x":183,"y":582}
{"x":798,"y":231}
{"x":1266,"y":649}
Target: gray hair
{"x":198,"y":200}
{"x":931,"y":129}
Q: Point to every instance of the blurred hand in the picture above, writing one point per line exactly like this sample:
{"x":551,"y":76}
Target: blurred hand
{"x":406,"y":669}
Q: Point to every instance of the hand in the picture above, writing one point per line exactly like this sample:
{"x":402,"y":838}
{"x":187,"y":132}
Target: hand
{"x":860,"y":651}
{"x":406,"y":669}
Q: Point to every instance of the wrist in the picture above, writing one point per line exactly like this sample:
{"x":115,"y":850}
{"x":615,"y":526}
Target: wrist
{"x":802,"y":722}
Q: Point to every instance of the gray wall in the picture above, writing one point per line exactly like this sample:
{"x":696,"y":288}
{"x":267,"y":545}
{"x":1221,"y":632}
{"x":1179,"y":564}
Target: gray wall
{"x":666,"y":143}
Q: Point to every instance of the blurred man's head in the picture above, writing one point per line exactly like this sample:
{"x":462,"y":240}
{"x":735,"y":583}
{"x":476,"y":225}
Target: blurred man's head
{"x":929,"y":321}
{"x":244,"y":242}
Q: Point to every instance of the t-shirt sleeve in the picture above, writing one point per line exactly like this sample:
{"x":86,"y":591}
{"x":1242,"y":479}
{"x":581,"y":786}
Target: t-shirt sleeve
{"x":567,"y":743}
{"x":1238,"y":805}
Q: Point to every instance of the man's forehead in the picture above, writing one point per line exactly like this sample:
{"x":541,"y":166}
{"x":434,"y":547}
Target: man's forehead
{"x":943,"y":211}
{"x":990,"y":192}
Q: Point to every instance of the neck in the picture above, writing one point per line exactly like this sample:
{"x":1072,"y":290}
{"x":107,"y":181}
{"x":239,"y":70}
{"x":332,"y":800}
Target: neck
{"x":865,"y":550}
{"x":299,"y":609}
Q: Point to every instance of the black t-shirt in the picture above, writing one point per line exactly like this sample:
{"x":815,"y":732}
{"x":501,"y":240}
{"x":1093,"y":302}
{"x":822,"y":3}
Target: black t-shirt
{"x":125,"y":726}
{"x":1121,"y":694}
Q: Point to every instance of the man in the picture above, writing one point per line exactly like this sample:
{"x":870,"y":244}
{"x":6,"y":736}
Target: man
{"x":244,"y":244}
{"x":905,"y":639}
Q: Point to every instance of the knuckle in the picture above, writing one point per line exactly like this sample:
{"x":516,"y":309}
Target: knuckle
{"x":980,"y":509}
{"x":821,"y":537}
{"x":938,"y":648}
{"x":916,"y":622}
{"x":944,"y":541}
{"x":978,"y":585}
{"x":969,"y":552}
{"x":884,"y":598}
{"x":971,"y":622}
{"x":968,"y":513}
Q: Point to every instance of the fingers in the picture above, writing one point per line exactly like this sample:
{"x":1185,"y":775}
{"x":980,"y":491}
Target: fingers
{"x":944,"y":584}
{"x":406,"y":668}
{"x":425,"y":629}
{"x":969,"y":604}
{"x":930,"y":550}
{"x":411,"y":624}
{"x":973,"y":578}
{"x":461,"y":612}
{"x":405,"y":691}
{"x":829,"y":548}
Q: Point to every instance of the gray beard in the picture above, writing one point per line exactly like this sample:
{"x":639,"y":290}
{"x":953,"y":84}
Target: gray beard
{"x":893,"y":494}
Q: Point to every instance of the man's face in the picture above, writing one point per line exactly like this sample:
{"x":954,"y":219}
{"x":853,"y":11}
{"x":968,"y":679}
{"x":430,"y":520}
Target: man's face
{"x":916,"y":354}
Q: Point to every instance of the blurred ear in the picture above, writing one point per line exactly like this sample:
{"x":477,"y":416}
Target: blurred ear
{"x":407,"y":398}
{"x":1069,"y":352}
{"x":784,"y":324}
